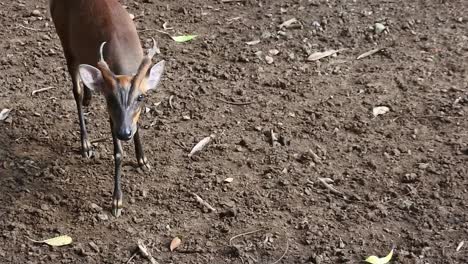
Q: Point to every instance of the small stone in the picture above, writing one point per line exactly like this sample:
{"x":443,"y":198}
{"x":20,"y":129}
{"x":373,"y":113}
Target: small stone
{"x":423,"y":166}
{"x":269,"y":59}
{"x":186,"y":117}
{"x":94,"y":246}
{"x":96,"y":207}
{"x":36,"y":13}
{"x":103,"y":217}
{"x":274,"y":52}
{"x":379,"y":28}
{"x":45,"y":37}
{"x":45,"y":207}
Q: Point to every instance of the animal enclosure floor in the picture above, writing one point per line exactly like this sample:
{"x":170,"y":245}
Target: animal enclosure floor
{"x":398,"y":179}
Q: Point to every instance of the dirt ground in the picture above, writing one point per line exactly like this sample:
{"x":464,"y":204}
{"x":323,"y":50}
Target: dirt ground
{"x":400,"y":178}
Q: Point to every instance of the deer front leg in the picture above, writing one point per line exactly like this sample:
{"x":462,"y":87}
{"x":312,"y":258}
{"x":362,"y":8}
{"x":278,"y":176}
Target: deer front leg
{"x":86,"y":149}
{"x":117,"y":195}
{"x":140,"y":155}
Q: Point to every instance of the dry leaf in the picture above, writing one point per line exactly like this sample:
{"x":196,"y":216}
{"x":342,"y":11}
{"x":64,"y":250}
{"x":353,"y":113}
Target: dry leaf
{"x":380,"y":110}
{"x":320,"y":55}
{"x":56,"y":241}
{"x":4,"y":114}
{"x":253,"y":42}
{"x":377,"y":260}
{"x":200,"y":145}
{"x":183,"y":38}
{"x":229,"y":180}
{"x":175,"y":243}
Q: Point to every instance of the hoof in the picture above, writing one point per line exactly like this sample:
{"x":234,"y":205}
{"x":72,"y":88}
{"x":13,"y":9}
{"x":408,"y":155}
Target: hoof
{"x":86,"y":150}
{"x":144,"y":164}
{"x":116,"y":207}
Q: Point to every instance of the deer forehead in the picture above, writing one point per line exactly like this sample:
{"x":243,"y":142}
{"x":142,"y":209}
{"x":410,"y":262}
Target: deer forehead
{"x":125,"y":82}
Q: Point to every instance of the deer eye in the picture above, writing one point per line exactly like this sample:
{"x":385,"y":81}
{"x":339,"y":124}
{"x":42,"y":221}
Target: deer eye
{"x":140,"y":98}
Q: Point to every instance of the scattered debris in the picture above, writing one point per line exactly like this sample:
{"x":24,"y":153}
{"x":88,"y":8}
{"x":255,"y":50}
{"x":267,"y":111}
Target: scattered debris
{"x":170,"y":101}
{"x":369,"y":53}
{"x":460,"y":245}
{"x":274,"y":52}
{"x":284,"y":253}
{"x":379,"y":28}
{"x":203,"y":202}
{"x":326,"y":182}
{"x":380,"y":110}
{"x":234,"y":103}
{"x":144,"y":252}
{"x":253,"y":42}
{"x":232,"y":1}
{"x":320,"y":55}
{"x":269,"y":59}
{"x":315,"y":157}
{"x":4,"y":114}
{"x":56,"y":241}
{"x":200,"y":145}
{"x":243,"y":234}
{"x":183,"y":38}
{"x":290,"y":23}
{"x":165,"y":27}
{"x":32,"y":29}
{"x":228,"y":180}
{"x":175,"y":243}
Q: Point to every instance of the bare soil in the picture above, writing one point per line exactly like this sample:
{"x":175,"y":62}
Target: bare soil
{"x":400,"y":178}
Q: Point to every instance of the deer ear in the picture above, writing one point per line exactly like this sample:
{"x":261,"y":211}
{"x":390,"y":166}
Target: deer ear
{"x":91,"y":77}
{"x":155,"y":75}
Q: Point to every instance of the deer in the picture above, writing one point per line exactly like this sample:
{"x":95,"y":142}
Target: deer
{"x":104,"y":54}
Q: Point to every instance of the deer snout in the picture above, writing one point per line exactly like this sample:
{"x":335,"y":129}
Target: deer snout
{"x":125,"y":133}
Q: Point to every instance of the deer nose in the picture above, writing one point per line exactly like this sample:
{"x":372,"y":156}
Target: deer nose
{"x":125,"y":134}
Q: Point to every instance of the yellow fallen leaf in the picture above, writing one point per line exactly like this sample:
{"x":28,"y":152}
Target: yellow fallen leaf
{"x":184,"y":38}
{"x":377,"y":260}
{"x":175,"y":243}
{"x":56,"y":241}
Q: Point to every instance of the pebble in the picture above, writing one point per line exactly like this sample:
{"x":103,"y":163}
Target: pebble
{"x":379,"y":28}
{"x":94,"y":246}
{"x":274,"y":52}
{"x":269,"y":59}
{"x":95,"y":207}
{"x":36,"y":13}
{"x":103,"y":217}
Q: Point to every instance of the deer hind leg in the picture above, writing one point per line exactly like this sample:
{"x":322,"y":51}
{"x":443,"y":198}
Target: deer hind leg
{"x":87,"y":96}
{"x":140,"y":155}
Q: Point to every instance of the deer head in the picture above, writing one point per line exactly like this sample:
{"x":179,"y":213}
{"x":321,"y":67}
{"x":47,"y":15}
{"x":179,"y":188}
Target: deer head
{"x":125,"y":94}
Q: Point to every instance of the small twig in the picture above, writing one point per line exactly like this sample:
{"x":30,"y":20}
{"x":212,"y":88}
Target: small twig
{"x":234,"y":103}
{"x":33,"y":29}
{"x":328,"y":186}
{"x":98,"y":140}
{"x":170,"y":101}
{"x":285,"y":251}
{"x":232,"y":1}
{"x":132,"y":257}
{"x":42,"y":90}
{"x":203,"y":202}
{"x":145,"y":253}
{"x":243,"y":234}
